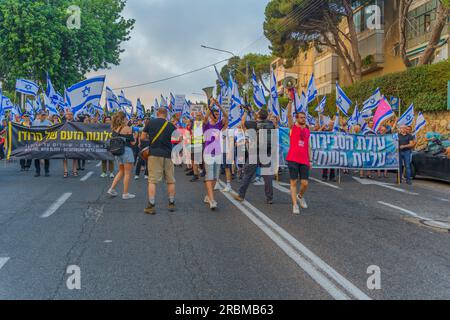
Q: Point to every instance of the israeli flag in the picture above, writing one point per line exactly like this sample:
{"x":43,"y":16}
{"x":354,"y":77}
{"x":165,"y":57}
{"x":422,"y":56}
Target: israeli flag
{"x":372,"y":103}
{"x":140,"y":112}
{"x":407,"y":118}
{"x":274,"y":104}
{"x":186,"y":109}
{"x":172,"y":101}
{"x":235,"y":115}
{"x":337,"y":123}
{"x":420,"y":123}
{"x":366,"y":114}
{"x":112,"y":101}
{"x":27,"y":87}
{"x":321,"y":107}
{"x":310,"y":119}
{"x":301,"y":103}
{"x":49,"y":106}
{"x":54,"y":96}
{"x":342,"y":101}
{"x":283,"y":118}
{"x":164,"y":103}
{"x":37,"y":104}
{"x":85,"y":92}
{"x":312,"y":90}
{"x":326,"y":120}
{"x":156,"y":106}
{"x":354,"y":119}
{"x":6,"y":104}
{"x":258,"y":92}
{"x":29,"y":108}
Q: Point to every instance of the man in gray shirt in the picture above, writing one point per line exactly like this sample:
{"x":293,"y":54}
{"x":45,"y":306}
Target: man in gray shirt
{"x":42,"y":122}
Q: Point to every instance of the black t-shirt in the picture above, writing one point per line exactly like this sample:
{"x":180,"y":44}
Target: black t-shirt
{"x":163,"y":145}
{"x":405,"y":140}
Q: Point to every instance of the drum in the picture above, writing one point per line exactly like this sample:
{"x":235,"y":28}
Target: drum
{"x":145,"y":154}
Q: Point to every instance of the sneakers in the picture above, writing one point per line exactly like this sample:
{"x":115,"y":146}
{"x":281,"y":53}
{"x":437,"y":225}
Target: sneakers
{"x":103,"y":175}
{"x":302,"y":202}
{"x":172,"y":206}
{"x":206,"y":200}
{"x":213,"y":205}
{"x":128,"y":196}
{"x":217,"y":187}
{"x":111,"y":175}
{"x":296,"y":210}
{"x":258,"y":182}
{"x":136,"y":177}
{"x":227,"y":188}
{"x":150,"y":209}
{"x":113,"y":193}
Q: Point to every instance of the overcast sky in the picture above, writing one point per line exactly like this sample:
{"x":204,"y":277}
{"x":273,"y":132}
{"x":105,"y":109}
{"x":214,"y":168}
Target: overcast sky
{"x":167,"y":37}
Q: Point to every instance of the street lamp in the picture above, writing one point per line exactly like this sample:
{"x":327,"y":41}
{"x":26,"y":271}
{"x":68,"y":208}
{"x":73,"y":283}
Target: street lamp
{"x":247,"y":67}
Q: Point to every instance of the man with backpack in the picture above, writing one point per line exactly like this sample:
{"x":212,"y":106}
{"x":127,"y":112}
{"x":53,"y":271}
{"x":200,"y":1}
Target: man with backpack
{"x":160,"y":165}
{"x":262,"y":127}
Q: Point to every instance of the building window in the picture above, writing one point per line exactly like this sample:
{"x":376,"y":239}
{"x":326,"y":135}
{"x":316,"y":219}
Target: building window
{"x":421,"y":19}
{"x":360,"y":16}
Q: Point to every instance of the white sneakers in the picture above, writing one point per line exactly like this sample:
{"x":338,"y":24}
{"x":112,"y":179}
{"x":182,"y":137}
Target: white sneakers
{"x":103,"y":175}
{"x":258,"y":182}
{"x":206,"y":200}
{"x":213,"y":205}
{"x":136,"y":177}
{"x":296,"y":210}
{"x":128,"y":196}
{"x":111,"y":175}
{"x":217,"y":187}
{"x":227,"y":188}
{"x":146,"y":177}
{"x":302,"y":202}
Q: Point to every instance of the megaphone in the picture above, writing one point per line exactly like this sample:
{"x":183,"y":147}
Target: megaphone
{"x":289,"y":83}
{"x":209,"y":92}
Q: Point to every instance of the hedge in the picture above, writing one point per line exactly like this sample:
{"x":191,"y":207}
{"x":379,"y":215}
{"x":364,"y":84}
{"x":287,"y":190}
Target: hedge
{"x":425,"y":86}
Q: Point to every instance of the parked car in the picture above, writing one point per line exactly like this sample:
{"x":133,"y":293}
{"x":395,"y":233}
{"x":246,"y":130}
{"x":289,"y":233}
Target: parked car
{"x":431,"y":162}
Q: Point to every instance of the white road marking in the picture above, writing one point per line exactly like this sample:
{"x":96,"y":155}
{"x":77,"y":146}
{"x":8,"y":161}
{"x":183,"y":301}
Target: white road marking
{"x":108,"y":241}
{"x":384,"y":185}
{"x":278,"y":186}
{"x":3,"y":261}
{"x":56,"y":205}
{"x":284,"y":184}
{"x":87,"y":176}
{"x":99,"y":164}
{"x":408,"y":212}
{"x":442,"y":199}
{"x":294,"y":249}
{"x":325,"y":183}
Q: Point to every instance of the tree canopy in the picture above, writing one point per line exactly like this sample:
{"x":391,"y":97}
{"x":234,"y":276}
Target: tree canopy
{"x":35,"y":38}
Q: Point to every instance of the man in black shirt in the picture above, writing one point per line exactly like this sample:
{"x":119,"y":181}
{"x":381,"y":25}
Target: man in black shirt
{"x":159,"y":132}
{"x":406,"y":143}
{"x":262,"y":123}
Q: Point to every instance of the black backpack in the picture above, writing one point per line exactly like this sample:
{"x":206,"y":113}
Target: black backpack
{"x":116,"y":145}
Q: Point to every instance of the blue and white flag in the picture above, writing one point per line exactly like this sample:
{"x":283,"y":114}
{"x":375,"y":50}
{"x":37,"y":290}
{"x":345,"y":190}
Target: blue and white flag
{"x":235,"y":115}
{"x":310,"y":120}
{"x":29,"y":108}
{"x":283,"y":118}
{"x":156,"y":106}
{"x":112,"y":101}
{"x":186,"y":110}
{"x":258,"y":92}
{"x":366,"y":114}
{"x":326,"y":120}
{"x":420,"y":123}
{"x":55,"y":97}
{"x":321,"y":107}
{"x":140,"y":112}
{"x":49,"y":106}
{"x":407,"y":118}
{"x":372,"y":103}
{"x":312,"y":90}
{"x":354,"y":119}
{"x":27,"y":87}
{"x":342,"y":101}
{"x":164,"y":103}
{"x":172,"y":101}
{"x":85,"y":92}
{"x":6,"y":104}
{"x":37,"y":105}
{"x":337,"y":123}
{"x":274,"y":104}
{"x":301,"y":103}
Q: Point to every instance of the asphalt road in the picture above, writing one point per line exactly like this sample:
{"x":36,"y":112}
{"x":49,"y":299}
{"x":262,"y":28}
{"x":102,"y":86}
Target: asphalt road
{"x":241,"y":251}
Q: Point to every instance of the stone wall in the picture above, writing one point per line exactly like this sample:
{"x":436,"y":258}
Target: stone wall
{"x":442,"y":121}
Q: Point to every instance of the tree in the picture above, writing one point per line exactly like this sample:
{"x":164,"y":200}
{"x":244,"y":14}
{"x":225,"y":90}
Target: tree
{"x":297,"y":25}
{"x":442,"y":13}
{"x":35,"y":38}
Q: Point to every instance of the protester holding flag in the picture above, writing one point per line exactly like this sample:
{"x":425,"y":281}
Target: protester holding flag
{"x":406,"y":145}
{"x":126,"y":160}
{"x":41,"y":122}
{"x":299,"y":158}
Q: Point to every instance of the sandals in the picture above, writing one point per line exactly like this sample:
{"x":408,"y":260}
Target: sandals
{"x":66,"y":175}
{"x":75,"y":174}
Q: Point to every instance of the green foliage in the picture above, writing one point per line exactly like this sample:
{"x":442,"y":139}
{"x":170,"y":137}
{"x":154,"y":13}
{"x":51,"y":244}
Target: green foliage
{"x":34,"y":38}
{"x":425,"y":86}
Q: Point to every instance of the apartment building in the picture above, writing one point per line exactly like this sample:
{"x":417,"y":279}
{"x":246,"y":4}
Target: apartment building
{"x":379,"y":47}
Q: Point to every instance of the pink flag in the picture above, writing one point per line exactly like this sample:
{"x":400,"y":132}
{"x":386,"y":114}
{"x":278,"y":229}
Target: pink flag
{"x":384,"y":112}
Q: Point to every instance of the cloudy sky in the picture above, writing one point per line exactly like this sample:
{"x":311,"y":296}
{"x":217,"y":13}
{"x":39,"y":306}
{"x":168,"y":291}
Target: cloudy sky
{"x":166,"y":42}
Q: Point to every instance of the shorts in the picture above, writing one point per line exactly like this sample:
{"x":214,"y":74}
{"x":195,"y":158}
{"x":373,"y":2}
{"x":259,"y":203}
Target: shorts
{"x":212,"y":171}
{"x":160,"y":168}
{"x":298,"y":171}
{"x":127,"y":157}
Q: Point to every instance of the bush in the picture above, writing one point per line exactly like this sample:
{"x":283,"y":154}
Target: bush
{"x":425,"y":86}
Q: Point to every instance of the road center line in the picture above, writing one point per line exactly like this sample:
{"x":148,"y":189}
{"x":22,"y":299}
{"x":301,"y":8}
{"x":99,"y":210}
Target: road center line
{"x":3,"y":261}
{"x":408,"y":212}
{"x":280,"y":237}
{"x":325,"y":183}
{"x":278,"y":186}
{"x":87,"y":176}
{"x":384,"y":185}
{"x":56,"y":205}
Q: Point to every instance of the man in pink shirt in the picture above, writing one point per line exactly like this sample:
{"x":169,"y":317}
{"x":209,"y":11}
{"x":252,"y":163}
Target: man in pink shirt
{"x":299,"y":157}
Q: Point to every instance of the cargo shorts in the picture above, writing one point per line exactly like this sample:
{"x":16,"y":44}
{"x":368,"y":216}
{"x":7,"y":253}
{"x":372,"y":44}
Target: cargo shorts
{"x":160,"y":168}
